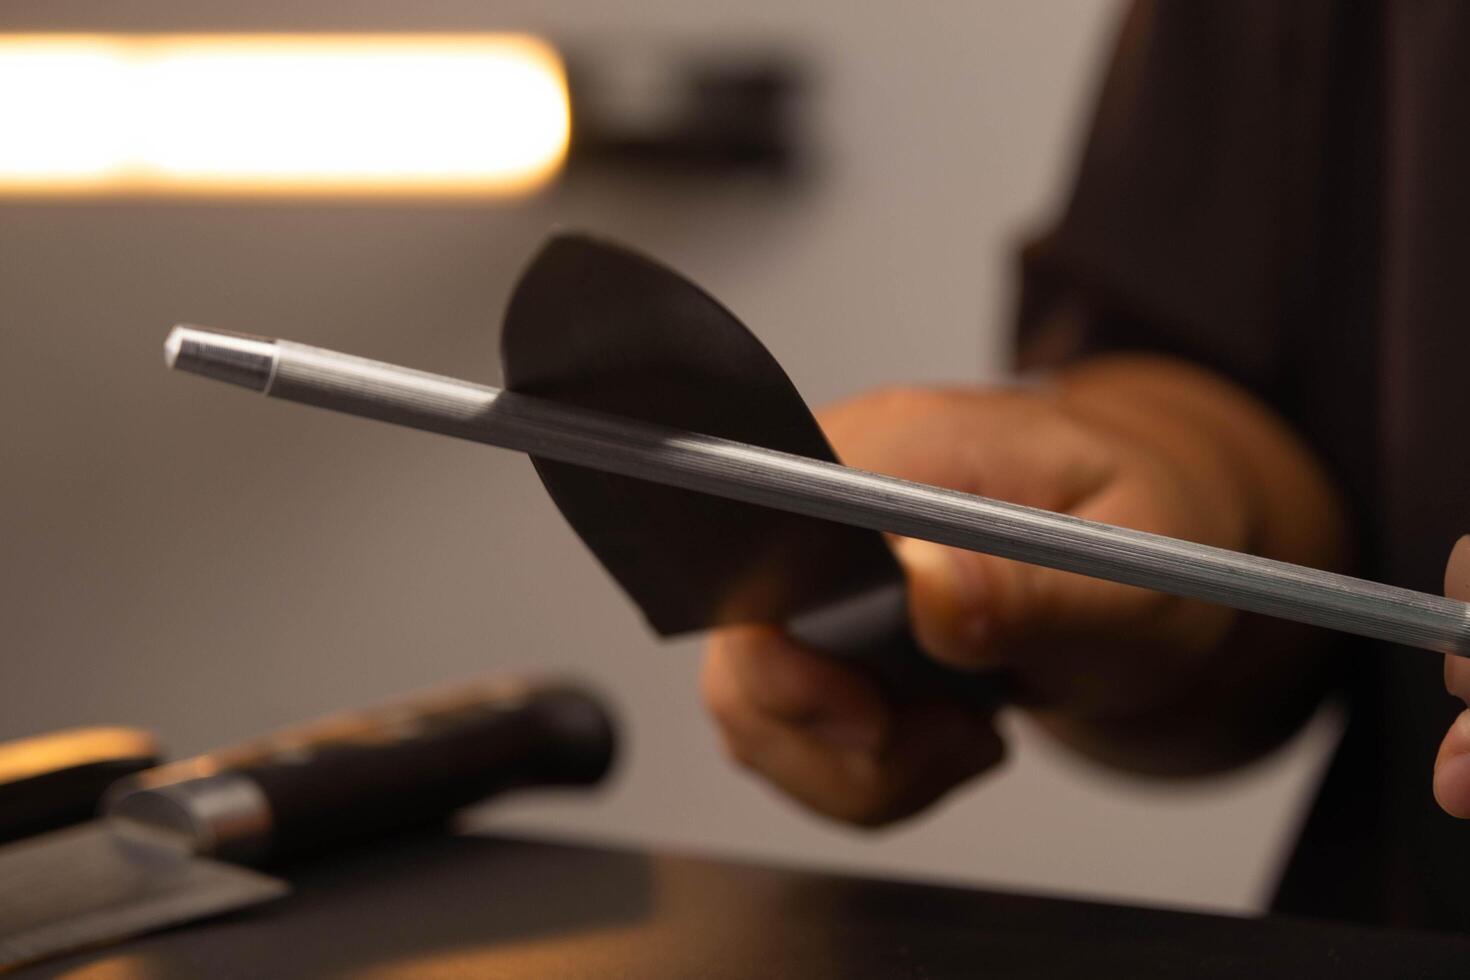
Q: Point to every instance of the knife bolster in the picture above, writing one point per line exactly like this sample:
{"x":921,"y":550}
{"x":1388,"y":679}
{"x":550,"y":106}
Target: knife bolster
{"x":224,"y":815}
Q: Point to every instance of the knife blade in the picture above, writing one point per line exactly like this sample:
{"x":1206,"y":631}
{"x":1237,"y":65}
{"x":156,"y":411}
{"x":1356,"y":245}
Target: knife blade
{"x":107,"y":880}
{"x":172,"y":841}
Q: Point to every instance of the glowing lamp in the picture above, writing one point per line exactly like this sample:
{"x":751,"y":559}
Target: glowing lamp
{"x":280,"y":114}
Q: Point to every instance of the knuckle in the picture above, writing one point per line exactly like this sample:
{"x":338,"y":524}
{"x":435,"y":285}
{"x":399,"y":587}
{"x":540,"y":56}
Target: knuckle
{"x":718,"y":692}
{"x":1032,"y":602}
{"x":868,"y":802}
{"x":907,"y":400}
{"x":739,"y":750}
{"x":873,"y":818}
{"x":1457,"y":676}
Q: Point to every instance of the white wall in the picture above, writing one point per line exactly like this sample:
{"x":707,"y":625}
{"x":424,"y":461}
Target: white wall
{"x":207,"y":564}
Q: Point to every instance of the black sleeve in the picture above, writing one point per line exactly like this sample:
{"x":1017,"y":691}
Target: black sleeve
{"x":1187,"y":221}
{"x":1226,"y":210}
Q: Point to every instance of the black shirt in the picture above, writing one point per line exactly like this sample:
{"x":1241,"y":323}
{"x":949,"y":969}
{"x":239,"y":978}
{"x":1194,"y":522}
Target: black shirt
{"x":1278,"y":190}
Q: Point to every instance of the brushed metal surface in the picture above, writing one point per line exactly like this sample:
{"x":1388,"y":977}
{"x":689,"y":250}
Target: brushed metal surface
{"x":221,"y":814}
{"x":479,"y":413}
{"x":108,"y":880}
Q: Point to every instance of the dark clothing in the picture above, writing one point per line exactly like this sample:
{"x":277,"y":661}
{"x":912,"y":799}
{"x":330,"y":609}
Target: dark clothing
{"x":1281,"y":191}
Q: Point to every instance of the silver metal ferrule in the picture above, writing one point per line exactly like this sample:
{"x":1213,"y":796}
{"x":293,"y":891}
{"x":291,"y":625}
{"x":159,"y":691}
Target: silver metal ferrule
{"x":224,"y":815}
{"x":238,"y":358}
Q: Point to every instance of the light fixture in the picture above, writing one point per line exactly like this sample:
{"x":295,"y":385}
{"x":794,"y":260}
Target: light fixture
{"x":326,"y":114}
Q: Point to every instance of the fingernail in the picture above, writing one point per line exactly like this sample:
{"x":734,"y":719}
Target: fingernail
{"x":1457,"y":677}
{"x":1463,"y":724}
{"x":948,"y":573}
{"x":847,"y":735}
{"x":1457,"y":570}
{"x":1452,"y":774}
{"x":1452,"y":785}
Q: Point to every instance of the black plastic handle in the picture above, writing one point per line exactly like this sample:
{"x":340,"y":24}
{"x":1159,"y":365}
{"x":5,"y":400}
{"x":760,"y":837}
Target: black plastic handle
{"x":366,"y":774}
{"x":872,"y":631}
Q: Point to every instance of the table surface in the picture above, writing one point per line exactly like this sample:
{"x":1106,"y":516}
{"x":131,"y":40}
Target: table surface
{"x":468,"y":906}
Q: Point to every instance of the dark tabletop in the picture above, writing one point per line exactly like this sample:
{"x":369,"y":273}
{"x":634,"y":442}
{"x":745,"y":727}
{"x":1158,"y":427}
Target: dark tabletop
{"x":474,"y":906}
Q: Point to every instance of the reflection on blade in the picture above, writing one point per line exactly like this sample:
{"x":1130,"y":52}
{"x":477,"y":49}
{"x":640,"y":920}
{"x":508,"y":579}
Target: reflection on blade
{"x":108,"y":880}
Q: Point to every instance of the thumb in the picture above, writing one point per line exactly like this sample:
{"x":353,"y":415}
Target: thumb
{"x":1452,"y":766}
{"x":966,"y":608}
{"x":950,"y":604}
{"x":1452,"y":769}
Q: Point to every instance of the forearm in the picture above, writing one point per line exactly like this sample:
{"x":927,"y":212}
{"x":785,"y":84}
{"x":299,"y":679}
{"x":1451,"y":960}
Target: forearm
{"x":1266,"y":493}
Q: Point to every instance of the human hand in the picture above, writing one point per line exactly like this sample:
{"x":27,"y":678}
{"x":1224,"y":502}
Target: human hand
{"x":1082,"y":651}
{"x":1452,"y":765}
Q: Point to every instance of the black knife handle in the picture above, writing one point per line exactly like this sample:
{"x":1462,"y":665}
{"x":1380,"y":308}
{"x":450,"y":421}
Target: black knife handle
{"x":365,"y":774}
{"x":872,"y":631}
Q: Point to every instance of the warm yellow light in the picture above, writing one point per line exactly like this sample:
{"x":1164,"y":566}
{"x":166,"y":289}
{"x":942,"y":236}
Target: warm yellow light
{"x":294,"y":114}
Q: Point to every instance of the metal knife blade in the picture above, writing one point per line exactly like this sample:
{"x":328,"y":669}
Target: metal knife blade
{"x":108,"y":880}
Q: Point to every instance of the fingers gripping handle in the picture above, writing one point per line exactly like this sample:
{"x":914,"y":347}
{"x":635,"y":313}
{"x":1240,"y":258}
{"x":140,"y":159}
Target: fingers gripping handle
{"x":872,"y":631}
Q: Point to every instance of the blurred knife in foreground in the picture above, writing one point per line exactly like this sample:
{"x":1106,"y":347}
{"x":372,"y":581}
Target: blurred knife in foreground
{"x":158,"y":855}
